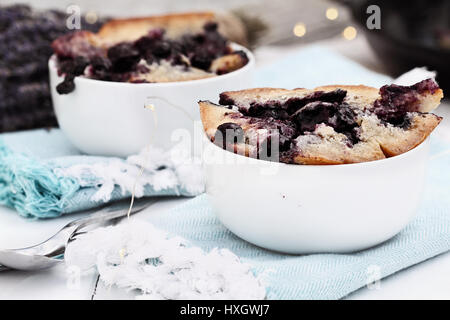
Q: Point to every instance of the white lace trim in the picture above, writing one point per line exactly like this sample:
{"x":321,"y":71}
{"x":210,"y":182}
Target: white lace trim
{"x":136,"y":255}
{"x":179,"y":173}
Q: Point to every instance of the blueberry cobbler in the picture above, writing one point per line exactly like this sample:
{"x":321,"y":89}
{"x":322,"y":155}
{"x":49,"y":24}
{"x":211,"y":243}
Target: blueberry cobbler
{"x":327,"y":125}
{"x":159,"y":49}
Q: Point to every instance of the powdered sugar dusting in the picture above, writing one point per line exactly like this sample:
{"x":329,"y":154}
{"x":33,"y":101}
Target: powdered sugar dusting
{"x":137,"y":255}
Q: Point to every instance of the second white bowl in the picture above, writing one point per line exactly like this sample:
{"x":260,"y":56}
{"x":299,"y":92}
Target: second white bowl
{"x":109,"y":118}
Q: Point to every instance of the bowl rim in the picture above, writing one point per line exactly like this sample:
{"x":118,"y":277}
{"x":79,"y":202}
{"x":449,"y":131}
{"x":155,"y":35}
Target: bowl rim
{"x":399,"y":157}
{"x":247,"y":67}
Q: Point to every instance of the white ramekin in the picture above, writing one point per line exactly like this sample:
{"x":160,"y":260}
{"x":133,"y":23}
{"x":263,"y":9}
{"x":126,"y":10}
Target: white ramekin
{"x":109,"y":118}
{"x":311,"y":208}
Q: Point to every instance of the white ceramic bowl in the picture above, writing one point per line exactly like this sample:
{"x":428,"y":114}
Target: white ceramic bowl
{"x":109,"y":118}
{"x":311,"y":208}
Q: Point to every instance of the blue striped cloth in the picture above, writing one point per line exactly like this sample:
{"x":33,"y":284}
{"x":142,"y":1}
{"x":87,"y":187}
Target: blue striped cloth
{"x":327,"y":276}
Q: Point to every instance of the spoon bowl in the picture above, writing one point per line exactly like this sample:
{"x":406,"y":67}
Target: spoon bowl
{"x":13,"y":259}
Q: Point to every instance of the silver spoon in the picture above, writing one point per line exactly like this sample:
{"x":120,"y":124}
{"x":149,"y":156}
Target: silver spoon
{"x":50,"y":252}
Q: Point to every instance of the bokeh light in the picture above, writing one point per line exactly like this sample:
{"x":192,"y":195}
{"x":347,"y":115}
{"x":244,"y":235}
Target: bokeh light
{"x":332,"y":13}
{"x":91,"y":17}
{"x":349,"y":33}
{"x":299,"y":29}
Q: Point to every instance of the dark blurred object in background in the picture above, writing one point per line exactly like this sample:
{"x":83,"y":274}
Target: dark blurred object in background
{"x":25,"y":37}
{"x":413,"y":33}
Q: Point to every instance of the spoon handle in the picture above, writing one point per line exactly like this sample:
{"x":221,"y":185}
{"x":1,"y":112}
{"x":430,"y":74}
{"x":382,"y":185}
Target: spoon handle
{"x":53,"y":248}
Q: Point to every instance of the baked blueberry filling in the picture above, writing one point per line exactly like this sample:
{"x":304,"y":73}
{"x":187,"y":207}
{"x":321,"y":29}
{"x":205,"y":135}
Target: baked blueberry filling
{"x":304,"y":114}
{"x":283,"y":110}
{"x":339,"y":116}
{"x":273,"y":144}
{"x":335,"y":127}
{"x":71,"y":68}
{"x":301,"y":116}
{"x":116,"y":63}
{"x":123,"y":56}
{"x":270,"y":136}
{"x":228,"y":133}
{"x":67,"y":85}
{"x":294,"y":104}
{"x":396,"y":101}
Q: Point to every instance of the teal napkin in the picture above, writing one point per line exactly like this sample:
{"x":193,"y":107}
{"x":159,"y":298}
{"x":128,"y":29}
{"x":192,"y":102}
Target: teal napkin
{"x":31,"y":181}
{"x":327,"y":276}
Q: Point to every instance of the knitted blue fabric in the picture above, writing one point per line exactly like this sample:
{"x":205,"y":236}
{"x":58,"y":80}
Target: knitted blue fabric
{"x":29,"y":184}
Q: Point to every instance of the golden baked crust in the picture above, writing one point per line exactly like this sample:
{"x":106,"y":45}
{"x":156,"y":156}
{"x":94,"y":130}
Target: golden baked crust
{"x":324,"y":145}
{"x":228,"y":63}
{"x":176,"y":25}
{"x":213,"y":116}
{"x":394,"y":141}
{"x":119,"y":30}
{"x":358,"y":95}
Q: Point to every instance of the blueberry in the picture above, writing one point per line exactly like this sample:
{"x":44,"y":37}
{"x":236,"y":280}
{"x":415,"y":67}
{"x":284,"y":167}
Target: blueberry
{"x":312,"y":114}
{"x":201,"y":60}
{"x":124,"y":57}
{"x":144,"y":44}
{"x":210,"y":26}
{"x":199,"y":38}
{"x":79,"y":64}
{"x":187,"y":44}
{"x":100,"y":63}
{"x":162,"y":49}
{"x":65,"y":66}
{"x":178,"y":60}
{"x":340,"y":117}
{"x":228,"y":133}
{"x":67,"y":86}
{"x":156,"y":34}
{"x":275,"y":139}
{"x":149,"y":57}
{"x":268,"y":111}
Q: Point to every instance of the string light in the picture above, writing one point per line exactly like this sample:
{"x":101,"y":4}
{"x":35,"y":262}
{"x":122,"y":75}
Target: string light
{"x":151,"y":107}
{"x":349,"y":33}
{"x":332,"y":13}
{"x":299,"y":29}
